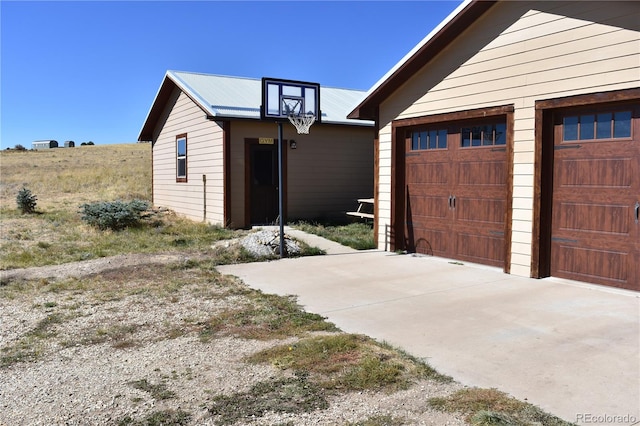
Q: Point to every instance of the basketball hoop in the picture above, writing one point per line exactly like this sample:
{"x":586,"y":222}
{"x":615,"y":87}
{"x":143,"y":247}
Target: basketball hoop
{"x":302,"y":122}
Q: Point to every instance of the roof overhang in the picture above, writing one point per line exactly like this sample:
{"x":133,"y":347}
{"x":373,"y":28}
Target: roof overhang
{"x":169,"y":83}
{"x":420,"y":55}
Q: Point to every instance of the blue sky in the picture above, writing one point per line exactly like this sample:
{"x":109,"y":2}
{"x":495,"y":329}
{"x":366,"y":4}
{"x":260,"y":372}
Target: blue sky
{"x":89,"y":70}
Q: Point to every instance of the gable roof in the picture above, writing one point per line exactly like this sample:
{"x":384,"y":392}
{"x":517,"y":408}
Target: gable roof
{"x":224,"y":97}
{"x":463,"y":16}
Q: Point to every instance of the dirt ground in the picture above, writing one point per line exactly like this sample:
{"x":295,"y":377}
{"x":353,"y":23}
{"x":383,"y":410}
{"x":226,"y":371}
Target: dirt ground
{"x":116,"y":341}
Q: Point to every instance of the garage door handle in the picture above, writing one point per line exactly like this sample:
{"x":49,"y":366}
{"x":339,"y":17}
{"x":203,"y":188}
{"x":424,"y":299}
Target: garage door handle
{"x":637,"y":211}
{"x":454,"y":201}
{"x":450,"y":205}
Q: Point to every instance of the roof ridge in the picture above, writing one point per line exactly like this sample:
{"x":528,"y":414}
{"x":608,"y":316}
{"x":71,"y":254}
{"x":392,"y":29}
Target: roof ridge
{"x":214,"y":75}
{"x":254,"y":79}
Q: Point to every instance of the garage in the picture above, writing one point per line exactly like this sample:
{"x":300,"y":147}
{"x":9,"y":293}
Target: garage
{"x":595,"y":230}
{"x":456,"y":190}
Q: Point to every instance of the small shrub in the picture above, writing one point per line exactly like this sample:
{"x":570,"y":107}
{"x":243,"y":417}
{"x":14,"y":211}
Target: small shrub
{"x":115,"y":215}
{"x":159,"y":418}
{"x":383,"y":420}
{"x":157,"y":391}
{"x":290,"y":395}
{"x":26,"y":201}
{"x":492,"y":407}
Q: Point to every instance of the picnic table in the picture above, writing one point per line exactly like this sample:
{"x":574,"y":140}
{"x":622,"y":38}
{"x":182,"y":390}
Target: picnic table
{"x":365,"y":208}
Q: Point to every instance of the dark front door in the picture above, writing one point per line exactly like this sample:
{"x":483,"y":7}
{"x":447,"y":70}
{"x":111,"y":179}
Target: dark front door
{"x":263,"y":183}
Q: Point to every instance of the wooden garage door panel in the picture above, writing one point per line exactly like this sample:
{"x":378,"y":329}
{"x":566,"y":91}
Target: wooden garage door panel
{"x":482,"y":173}
{"x":594,"y":218}
{"x":426,"y":207}
{"x":485,"y":249}
{"x":598,"y":266}
{"x":481,"y":211}
{"x":428,"y":174}
{"x":430,"y":241}
{"x":596,"y":185}
{"x":595,"y":173}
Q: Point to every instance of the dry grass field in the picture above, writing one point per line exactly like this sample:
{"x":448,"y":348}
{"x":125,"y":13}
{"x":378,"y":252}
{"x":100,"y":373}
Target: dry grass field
{"x":137,"y":327}
{"x":63,"y":178}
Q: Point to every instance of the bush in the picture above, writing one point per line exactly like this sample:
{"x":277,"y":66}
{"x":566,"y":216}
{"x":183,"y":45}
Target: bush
{"x":26,"y":201}
{"x":115,"y":215}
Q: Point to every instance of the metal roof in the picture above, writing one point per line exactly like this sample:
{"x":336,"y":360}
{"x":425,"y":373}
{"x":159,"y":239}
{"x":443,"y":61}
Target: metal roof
{"x":238,"y":97}
{"x":224,"y":97}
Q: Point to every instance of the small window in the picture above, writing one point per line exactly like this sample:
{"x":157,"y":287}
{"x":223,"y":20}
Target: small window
{"x":181,"y":158}
{"x":484,"y":135}
{"x":429,"y":139}
{"x":604,"y":125}
{"x":622,"y":124}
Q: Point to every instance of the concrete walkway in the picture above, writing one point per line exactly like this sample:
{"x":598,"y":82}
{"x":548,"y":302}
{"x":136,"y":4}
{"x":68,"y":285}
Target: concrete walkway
{"x":571,"y":349}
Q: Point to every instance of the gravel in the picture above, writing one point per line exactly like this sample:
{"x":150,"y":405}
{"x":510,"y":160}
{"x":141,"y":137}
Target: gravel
{"x":79,"y":381}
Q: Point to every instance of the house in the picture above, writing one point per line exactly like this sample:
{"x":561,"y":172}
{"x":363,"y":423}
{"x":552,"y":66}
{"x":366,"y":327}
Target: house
{"x":215,"y":160}
{"x":44,"y":144}
{"x":510,"y":136}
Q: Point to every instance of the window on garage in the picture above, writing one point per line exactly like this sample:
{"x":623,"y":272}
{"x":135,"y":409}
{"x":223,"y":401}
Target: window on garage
{"x":601,"y":125}
{"x":428,"y":139}
{"x":484,"y":135}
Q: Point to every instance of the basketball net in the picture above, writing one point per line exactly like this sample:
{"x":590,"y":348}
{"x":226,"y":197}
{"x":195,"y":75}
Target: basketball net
{"x":302,"y":122}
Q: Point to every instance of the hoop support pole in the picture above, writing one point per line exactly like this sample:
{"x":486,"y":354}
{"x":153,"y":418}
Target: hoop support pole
{"x":280,"y":192}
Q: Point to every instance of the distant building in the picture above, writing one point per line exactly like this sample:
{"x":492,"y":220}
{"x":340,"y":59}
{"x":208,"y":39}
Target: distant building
{"x":44,"y":144}
{"x":69,"y":144}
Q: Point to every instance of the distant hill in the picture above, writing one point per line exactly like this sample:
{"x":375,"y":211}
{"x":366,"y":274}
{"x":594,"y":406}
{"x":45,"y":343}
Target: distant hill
{"x":64,"y":178}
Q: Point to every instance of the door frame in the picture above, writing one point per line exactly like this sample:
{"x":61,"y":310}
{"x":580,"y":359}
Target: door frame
{"x":398,"y":196}
{"x":248,"y":143}
{"x":545,"y":111}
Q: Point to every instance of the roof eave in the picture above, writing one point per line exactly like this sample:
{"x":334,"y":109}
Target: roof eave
{"x":418,"y":57}
{"x":162,"y":95}
{"x":169,"y":82}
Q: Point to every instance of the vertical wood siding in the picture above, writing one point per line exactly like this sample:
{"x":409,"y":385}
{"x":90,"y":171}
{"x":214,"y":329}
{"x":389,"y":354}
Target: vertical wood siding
{"x":204,"y":157}
{"x":515,"y":54}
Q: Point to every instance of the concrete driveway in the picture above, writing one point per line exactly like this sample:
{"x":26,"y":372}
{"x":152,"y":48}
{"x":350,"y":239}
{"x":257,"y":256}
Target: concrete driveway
{"x":571,"y":349}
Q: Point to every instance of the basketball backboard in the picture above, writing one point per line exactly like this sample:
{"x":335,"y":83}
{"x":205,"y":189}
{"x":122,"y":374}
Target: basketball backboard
{"x":282,"y":99}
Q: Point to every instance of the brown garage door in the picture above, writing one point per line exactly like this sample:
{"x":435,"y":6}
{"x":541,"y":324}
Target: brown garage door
{"x":455,"y":191}
{"x":595,"y":235}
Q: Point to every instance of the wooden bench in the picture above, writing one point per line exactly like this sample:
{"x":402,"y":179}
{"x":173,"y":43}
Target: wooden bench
{"x":362,"y":202}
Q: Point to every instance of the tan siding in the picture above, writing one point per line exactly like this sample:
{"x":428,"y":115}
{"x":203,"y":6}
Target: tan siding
{"x":204,"y":157}
{"x":330,"y":169}
{"x":517,"y":53}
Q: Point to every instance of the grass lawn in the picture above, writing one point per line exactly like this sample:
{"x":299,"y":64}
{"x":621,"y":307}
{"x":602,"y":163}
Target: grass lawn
{"x":357,"y":235}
